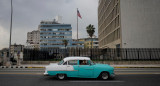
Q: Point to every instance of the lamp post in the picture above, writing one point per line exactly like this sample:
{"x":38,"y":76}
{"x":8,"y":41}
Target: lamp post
{"x":10,"y":32}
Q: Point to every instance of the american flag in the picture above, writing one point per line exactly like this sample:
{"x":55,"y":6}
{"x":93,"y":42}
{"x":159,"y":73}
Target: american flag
{"x":78,"y":14}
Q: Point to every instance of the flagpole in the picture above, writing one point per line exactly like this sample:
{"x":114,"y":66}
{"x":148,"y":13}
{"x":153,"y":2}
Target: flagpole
{"x":77,"y":24}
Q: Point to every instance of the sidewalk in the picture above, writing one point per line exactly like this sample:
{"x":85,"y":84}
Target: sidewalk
{"x":115,"y":66}
{"x":136,"y":66}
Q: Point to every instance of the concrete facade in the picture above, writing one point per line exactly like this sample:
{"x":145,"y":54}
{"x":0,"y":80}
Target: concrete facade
{"x":32,"y":46}
{"x":129,"y":23}
{"x":16,"y":48}
{"x":33,"y":37}
{"x":108,"y":23}
{"x":88,"y":42}
{"x":140,"y":23}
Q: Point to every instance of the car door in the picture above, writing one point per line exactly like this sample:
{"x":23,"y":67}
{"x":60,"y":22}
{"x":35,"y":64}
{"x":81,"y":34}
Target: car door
{"x":85,"y":70}
{"x":72,"y":68}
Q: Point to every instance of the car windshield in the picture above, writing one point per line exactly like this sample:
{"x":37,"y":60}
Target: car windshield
{"x":61,"y":62}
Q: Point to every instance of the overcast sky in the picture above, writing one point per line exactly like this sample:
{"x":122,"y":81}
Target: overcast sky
{"x":27,"y":15}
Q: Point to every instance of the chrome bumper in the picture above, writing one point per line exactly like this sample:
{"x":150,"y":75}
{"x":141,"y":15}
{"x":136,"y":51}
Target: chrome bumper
{"x":45,"y":73}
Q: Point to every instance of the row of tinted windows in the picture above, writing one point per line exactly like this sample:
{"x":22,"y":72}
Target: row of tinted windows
{"x":75,"y":62}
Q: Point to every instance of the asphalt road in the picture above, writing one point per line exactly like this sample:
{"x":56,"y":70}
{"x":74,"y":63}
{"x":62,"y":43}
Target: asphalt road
{"x":124,"y":77}
{"x":117,"y":71}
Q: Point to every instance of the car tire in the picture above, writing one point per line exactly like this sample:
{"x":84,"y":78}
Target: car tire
{"x":61,"y":76}
{"x":104,"y":76}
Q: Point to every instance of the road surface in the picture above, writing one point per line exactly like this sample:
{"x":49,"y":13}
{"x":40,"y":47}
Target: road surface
{"x":124,"y":77}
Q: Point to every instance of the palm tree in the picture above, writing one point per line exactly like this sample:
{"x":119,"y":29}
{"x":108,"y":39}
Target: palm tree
{"x":65,"y":42}
{"x":90,"y":30}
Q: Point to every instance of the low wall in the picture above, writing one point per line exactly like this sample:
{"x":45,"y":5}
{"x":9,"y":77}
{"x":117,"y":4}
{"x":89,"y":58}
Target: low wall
{"x":104,"y":62}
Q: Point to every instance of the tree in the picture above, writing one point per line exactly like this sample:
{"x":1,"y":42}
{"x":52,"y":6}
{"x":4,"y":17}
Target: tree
{"x":90,"y":30}
{"x":65,"y":42}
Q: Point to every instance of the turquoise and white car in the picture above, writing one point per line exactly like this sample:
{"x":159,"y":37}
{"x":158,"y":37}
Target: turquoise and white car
{"x":80,"y":67}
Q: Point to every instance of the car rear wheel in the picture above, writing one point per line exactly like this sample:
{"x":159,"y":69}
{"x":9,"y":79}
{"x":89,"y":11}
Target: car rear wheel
{"x":104,"y":75}
{"x":61,"y":76}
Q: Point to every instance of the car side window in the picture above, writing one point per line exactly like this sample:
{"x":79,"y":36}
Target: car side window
{"x":65,"y":63}
{"x":83,"y":62}
{"x":72,"y":62}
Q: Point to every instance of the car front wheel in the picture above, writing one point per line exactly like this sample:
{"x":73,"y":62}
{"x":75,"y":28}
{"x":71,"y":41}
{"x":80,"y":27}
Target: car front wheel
{"x":104,"y":75}
{"x":61,"y":76}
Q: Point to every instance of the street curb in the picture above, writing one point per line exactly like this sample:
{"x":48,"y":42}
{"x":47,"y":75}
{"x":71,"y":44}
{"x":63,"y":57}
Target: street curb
{"x":35,"y":67}
{"x":1,"y":67}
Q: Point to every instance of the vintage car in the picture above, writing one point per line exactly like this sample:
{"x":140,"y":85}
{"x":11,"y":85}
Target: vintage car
{"x":80,"y":67}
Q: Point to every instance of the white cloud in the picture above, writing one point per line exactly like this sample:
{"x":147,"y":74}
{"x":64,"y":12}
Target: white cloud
{"x":4,"y":38}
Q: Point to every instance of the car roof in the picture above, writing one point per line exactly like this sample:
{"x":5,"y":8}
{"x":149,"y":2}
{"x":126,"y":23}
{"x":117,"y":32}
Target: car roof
{"x":76,"y":58}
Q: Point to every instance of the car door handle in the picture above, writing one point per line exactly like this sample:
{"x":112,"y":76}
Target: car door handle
{"x":68,"y":66}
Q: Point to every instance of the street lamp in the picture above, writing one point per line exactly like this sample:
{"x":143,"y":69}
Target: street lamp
{"x":10,"y":32}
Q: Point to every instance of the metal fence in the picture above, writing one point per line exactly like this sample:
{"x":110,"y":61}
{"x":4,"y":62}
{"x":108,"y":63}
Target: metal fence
{"x":94,"y":54}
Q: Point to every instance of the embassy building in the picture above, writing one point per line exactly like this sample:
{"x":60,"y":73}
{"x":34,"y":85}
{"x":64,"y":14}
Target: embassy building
{"x":129,"y":24}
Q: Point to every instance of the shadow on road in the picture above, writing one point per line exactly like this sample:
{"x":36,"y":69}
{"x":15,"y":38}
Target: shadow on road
{"x":54,"y":78}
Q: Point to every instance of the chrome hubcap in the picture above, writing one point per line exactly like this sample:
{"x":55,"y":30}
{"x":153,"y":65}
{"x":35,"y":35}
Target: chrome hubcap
{"x":104,"y":76}
{"x":61,"y":76}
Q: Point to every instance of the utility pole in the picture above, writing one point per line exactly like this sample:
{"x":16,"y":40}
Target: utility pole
{"x":10,"y":32}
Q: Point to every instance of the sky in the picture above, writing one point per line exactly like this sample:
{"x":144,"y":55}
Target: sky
{"x":27,"y":15}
